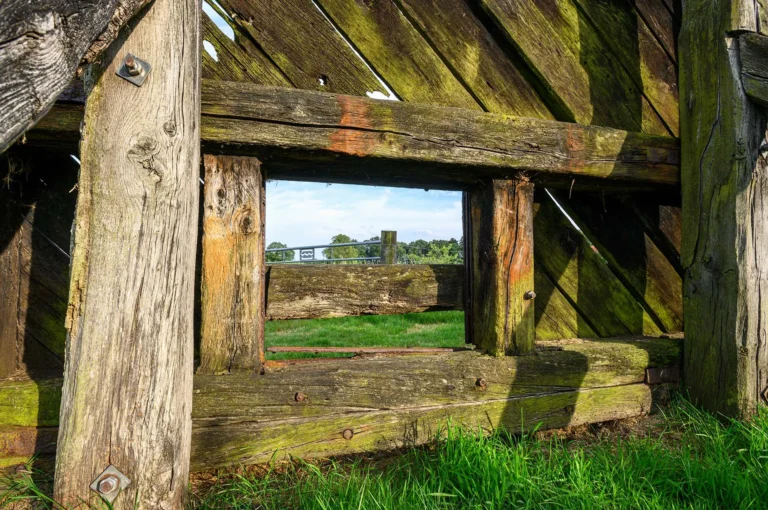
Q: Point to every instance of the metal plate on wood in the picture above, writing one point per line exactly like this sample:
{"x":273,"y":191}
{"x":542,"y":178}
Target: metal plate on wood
{"x":109,"y":483}
{"x":134,"y":70}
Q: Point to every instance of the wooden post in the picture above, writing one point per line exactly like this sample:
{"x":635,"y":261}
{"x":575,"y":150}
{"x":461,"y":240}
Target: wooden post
{"x":233,"y":283}
{"x":501,"y":217}
{"x":127,"y":395}
{"x":388,"y":247}
{"x":725,"y":217}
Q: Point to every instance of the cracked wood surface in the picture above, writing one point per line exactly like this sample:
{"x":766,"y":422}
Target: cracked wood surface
{"x":42,"y":44}
{"x":127,"y":392}
{"x":233,"y":280}
{"x":725,"y":217}
{"x":387,"y":401}
{"x":753,"y":50}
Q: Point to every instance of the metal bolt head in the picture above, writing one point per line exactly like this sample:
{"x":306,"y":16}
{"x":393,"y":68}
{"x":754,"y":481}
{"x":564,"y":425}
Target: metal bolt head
{"x":108,"y":484}
{"x":530,"y":295}
{"x":134,"y":70}
{"x":347,"y":434}
{"x":481,"y":383}
{"x":299,"y":397}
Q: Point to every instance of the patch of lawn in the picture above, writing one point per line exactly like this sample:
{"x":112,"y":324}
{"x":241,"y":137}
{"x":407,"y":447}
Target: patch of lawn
{"x":431,"y":329}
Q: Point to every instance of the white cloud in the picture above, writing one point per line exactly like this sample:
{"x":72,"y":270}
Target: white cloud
{"x":301,"y":213}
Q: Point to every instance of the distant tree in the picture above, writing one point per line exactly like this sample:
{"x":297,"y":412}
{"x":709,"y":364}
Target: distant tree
{"x":344,"y":252}
{"x":278,"y":256}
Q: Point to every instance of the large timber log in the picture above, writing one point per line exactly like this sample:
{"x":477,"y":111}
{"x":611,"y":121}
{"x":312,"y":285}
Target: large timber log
{"x":315,"y":136}
{"x":334,"y":407}
{"x":43,"y":44}
{"x":725,"y":218}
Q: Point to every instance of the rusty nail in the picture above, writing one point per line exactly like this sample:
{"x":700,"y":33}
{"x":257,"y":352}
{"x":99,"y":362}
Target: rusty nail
{"x":530,"y":295}
{"x":108,"y":484}
{"x":347,"y":434}
{"x":299,"y":397}
{"x":481,"y":383}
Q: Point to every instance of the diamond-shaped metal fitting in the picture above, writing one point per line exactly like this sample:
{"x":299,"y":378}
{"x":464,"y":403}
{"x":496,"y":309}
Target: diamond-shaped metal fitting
{"x":134,"y":70}
{"x":109,"y":483}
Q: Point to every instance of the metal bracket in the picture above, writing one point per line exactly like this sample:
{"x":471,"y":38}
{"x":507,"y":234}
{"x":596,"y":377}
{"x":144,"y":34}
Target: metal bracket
{"x":109,"y":483}
{"x":134,"y":70}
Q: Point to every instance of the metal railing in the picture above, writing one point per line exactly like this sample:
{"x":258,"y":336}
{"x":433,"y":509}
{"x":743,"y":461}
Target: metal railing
{"x":308,"y":254}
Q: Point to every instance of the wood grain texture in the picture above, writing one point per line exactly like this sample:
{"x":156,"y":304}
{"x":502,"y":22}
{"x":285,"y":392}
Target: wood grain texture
{"x":566,"y":52}
{"x":397,"y":52}
{"x":753,"y":49}
{"x":391,"y":401}
{"x":303,"y":292}
{"x":625,"y":33}
{"x":289,"y":127}
{"x":128,"y":375}
{"x":233,"y":280}
{"x":43,"y":43}
{"x":493,"y":76}
{"x":725,"y":218}
{"x":661,"y":22}
{"x":605,"y":304}
{"x":306,"y":47}
{"x":238,"y":60}
{"x":501,"y":215}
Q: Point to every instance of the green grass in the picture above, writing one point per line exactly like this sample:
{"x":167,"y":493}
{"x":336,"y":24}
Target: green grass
{"x":686,"y":460}
{"x":432,"y":329}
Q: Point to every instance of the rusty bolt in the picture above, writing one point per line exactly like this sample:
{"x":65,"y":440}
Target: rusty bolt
{"x":134,"y":68}
{"x":108,"y":484}
{"x":530,"y":295}
{"x":347,"y":434}
{"x":300,"y":397}
{"x":481,"y":383}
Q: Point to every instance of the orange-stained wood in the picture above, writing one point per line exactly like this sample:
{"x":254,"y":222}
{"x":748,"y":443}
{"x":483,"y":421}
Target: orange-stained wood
{"x":233,"y":282}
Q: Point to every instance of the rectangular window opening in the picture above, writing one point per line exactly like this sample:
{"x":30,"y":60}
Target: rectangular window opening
{"x":337,"y":290}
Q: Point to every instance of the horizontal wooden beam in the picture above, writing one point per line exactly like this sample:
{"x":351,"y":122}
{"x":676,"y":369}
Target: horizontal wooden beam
{"x":333,"y":407}
{"x":367,"y":350}
{"x":754,"y":66}
{"x":315,"y":136}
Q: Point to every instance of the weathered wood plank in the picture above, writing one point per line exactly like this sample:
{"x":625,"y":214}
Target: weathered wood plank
{"x":492,"y":75}
{"x":391,"y":401}
{"x":625,"y":33}
{"x":633,"y":256}
{"x":501,"y":215}
{"x":127,"y":387}
{"x":304,"y":45}
{"x":43,"y":45}
{"x":605,"y":304}
{"x":661,"y":22}
{"x":233,"y":279}
{"x":296,"y":292}
{"x":754,"y":66}
{"x":725,"y":219}
{"x":238,"y":60}
{"x":397,"y":52}
{"x":442,"y":143}
{"x":565,"y":50}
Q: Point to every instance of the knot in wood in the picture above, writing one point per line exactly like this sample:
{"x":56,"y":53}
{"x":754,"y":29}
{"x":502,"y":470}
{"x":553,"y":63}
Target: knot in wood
{"x":347,"y":434}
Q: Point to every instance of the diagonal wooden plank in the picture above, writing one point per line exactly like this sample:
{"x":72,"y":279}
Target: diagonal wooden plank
{"x":626,"y":34}
{"x":398,"y":53}
{"x":565,"y":51}
{"x":238,"y":60}
{"x":661,"y":22}
{"x":493,"y":76}
{"x":304,"y":45}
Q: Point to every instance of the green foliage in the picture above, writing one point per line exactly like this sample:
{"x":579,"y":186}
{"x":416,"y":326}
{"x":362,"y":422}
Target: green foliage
{"x":279,"y":256}
{"x":344,"y":252}
{"x":433,"y":252}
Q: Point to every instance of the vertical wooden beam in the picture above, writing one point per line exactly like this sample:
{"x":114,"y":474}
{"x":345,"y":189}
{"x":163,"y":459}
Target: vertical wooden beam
{"x":233,"y":282}
{"x":503,"y":320}
{"x":127,"y":394}
{"x":388,"y":247}
{"x":725,"y":216}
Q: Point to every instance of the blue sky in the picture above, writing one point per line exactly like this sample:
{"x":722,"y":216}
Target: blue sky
{"x":305,"y":213}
